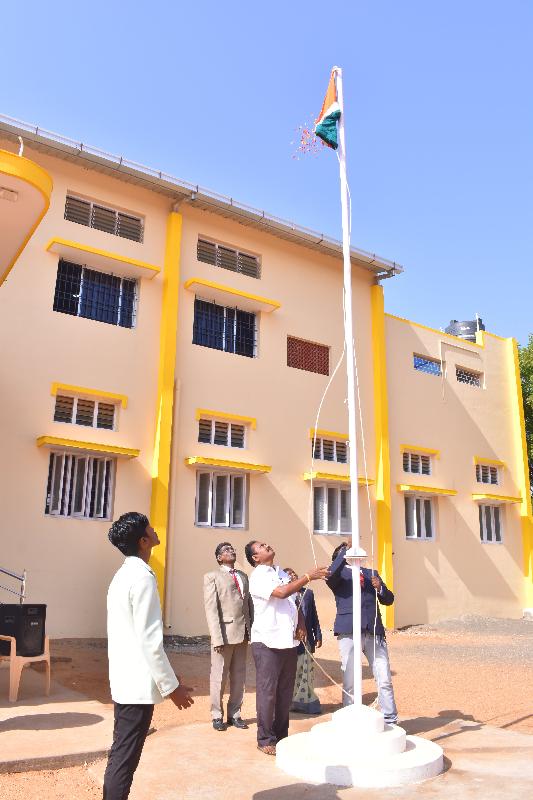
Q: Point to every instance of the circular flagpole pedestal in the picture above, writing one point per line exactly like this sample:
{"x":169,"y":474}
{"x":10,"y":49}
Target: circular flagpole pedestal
{"x":357,"y":748}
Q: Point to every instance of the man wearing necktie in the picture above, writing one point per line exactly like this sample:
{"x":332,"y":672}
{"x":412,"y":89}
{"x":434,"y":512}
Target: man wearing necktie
{"x":229,"y":612}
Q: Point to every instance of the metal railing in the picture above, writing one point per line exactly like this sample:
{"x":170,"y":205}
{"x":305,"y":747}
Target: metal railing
{"x":21,"y":593}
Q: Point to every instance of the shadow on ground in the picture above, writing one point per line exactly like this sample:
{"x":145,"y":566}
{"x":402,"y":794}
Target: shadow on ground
{"x":49,"y":722}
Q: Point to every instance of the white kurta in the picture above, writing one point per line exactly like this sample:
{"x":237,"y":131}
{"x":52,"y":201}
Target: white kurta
{"x":139,"y":670}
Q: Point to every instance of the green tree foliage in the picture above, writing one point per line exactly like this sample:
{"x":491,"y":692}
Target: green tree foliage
{"x":525,"y":356}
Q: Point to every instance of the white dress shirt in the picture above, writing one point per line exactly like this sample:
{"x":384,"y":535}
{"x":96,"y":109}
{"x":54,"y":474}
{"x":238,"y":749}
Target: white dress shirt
{"x":139,"y":670}
{"x":235,"y":572}
{"x":275,"y":619}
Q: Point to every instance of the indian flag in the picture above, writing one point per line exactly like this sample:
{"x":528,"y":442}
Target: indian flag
{"x":326,"y":124}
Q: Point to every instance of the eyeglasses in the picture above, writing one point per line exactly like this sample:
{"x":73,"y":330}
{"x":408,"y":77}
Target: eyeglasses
{"x":226,"y":550}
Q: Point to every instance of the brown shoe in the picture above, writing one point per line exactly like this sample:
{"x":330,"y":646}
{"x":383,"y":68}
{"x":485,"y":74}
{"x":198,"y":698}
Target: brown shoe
{"x":268,"y":749}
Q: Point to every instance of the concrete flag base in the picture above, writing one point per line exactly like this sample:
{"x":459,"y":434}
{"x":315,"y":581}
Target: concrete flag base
{"x":357,"y":748}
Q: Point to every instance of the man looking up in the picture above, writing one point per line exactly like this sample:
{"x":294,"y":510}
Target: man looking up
{"x":276,"y":631}
{"x":229,"y":611}
{"x":373,"y":642}
{"x":139,"y":670}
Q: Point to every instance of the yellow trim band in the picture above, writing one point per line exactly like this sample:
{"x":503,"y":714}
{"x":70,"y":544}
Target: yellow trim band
{"x":65,"y":387}
{"x":500,"y":497}
{"x":331,"y":476}
{"x":404,"y":487}
{"x":434,"y":330}
{"x":330,"y":434}
{"x":26,"y":170}
{"x":488,"y":461}
{"x":381,"y":423}
{"x":206,"y":412}
{"x":235,"y":292}
{"x":521,"y":462}
{"x":58,"y":441}
{"x":159,"y":504}
{"x":96,"y":251}
{"x":413,"y":448}
{"x":222,"y":462}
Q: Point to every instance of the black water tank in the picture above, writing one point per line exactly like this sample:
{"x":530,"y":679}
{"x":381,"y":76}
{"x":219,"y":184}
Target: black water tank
{"x":466,"y":329}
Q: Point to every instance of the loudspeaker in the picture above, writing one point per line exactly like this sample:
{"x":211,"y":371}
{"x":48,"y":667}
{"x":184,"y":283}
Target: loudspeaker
{"x":26,"y":624}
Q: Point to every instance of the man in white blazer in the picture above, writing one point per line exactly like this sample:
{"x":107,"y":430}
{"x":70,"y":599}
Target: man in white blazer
{"x":140,"y":674}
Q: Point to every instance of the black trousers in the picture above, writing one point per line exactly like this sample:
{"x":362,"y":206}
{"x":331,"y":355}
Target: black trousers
{"x":275,"y":673}
{"x":132,"y":723}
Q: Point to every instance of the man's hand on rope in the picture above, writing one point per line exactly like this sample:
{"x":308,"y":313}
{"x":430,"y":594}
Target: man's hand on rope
{"x":318,"y":574}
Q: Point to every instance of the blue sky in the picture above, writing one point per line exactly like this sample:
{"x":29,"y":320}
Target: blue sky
{"x":439,"y":120}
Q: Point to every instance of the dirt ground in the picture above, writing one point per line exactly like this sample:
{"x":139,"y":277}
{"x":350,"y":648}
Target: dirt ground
{"x":473,"y":668}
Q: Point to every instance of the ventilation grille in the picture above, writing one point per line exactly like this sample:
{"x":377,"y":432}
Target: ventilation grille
{"x":308,"y":356}
{"x":109,"y":220}
{"x":226,"y":258}
{"x":468,"y":376}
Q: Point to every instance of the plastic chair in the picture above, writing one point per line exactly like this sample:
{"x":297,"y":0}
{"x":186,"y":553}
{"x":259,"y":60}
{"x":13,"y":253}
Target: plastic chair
{"x":17,"y":664}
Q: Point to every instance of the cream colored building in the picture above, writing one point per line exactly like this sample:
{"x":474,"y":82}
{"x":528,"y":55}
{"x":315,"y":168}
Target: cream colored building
{"x":166,"y":350}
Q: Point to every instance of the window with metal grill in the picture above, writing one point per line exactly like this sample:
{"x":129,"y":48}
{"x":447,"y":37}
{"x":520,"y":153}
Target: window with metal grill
{"x":330,"y":449}
{"x":487,"y":474}
{"x":212,"y":431}
{"x":103,"y":218}
{"x":331,"y":509}
{"x":308,"y":356}
{"x":419,"y":517}
{"x":417,"y":463}
{"x":221,"y":328}
{"x":221,"y":499}
{"x":490,"y":524}
{"x":84,"y":292}
{"x":79,"y":486}
{"x":468,"y":376}
{"x":220,"y":256}
{"x":429,"y":365}
{"x":80,"y":411}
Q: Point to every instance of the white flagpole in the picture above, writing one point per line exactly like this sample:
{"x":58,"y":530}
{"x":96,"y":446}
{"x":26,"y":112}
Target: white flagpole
{"x":352,"y":426}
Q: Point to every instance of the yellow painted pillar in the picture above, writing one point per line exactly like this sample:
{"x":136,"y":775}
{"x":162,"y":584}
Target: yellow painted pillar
{"x":381,"y":422}
{"x":159,"y":507}
{"x":519,"y":432}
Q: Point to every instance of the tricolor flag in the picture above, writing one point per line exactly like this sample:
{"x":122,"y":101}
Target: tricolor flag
{"x":326,"y":124}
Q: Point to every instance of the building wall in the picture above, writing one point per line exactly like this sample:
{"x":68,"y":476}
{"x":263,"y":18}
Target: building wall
{"x":70,"y":561}
{"x":284,"y":401}
{"x":456,"y":573}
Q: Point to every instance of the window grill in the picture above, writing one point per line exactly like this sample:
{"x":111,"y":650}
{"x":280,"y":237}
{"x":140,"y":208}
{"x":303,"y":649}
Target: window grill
{"x":221,"y":328}
{"x":308,"y":356}
{"x":486,"y":474}
{"x":490,"y":524}
{"x":418,"y":517}
{"x":109,"y":220}
{"x":468,"y":376}
{"x":331,"y":509}
{"x":84,"y":292}
{"x":330,"y":450}
{"x":416,"y":463}
{"x":228,"y":434}
{"x":429,"y":365}
{"x":226,"y":258}
{"x":79,"y":486}
{"x":80,"y":411}
{"x":220,"y":499}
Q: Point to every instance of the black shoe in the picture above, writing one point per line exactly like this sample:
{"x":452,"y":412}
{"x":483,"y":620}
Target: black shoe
{"x":237,"y":722}
{"x":218,"y":725}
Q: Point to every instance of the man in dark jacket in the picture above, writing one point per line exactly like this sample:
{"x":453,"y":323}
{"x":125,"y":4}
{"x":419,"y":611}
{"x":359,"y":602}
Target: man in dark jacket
{"x":373,"y":642}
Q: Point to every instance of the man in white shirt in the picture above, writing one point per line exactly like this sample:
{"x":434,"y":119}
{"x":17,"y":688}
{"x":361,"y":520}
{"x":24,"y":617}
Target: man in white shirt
{"x":277,"y":628}
{"x":140,"y":674}
{"x":229,"y":611}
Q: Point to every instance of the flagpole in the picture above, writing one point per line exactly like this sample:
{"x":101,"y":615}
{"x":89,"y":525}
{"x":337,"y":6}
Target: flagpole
{"x":352,"y":425}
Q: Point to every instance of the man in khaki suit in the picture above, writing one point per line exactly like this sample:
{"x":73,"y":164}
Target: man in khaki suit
{"x":229,"y":612}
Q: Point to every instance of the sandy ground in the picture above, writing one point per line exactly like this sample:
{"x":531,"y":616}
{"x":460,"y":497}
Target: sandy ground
{"x":474,"y":669}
